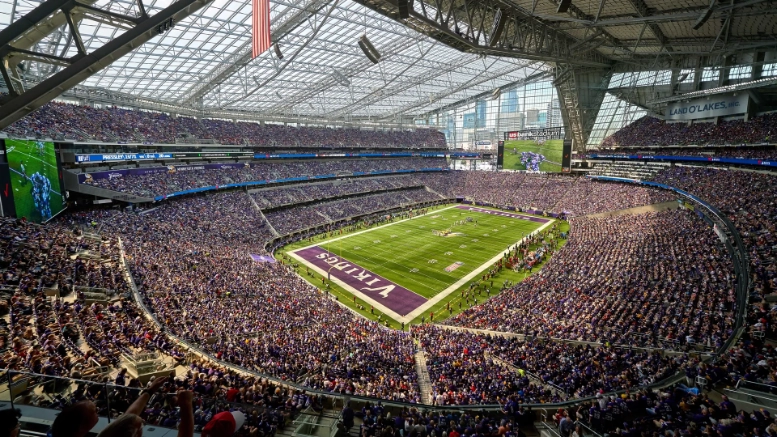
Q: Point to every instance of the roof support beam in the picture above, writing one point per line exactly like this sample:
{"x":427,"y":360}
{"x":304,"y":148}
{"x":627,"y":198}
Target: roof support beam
{"x":466,"y":29}
{"x":17,"y":106}
{"x":642,"y":10}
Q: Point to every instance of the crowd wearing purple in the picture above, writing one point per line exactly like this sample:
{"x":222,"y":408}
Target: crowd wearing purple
{"x":748,"y":201}
{"x":762,"y":152}
{"x":657,"y":279}
{"x":130,"y":126}
{"x":550,"y":193}
{"x":650,"y":131}
{"x":646,"y":279}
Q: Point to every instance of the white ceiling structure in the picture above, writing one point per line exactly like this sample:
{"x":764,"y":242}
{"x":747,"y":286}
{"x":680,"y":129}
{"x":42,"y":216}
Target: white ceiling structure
{"x":203,"y":62}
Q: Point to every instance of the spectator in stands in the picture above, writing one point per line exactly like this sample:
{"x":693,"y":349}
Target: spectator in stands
{"x":648,"y":131}
{"x":111,"y":124}
{"x":9,"y":422}
{"x":78,"y":419}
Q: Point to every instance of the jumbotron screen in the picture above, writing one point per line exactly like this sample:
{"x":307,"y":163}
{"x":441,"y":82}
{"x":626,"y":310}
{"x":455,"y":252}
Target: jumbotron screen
{"x":534,"y":150}
{"x":34,"y":179}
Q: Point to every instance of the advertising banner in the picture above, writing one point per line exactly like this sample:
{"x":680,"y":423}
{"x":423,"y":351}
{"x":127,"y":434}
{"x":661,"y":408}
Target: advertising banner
{"x":113,"y":174}
{"x":483,"y":145}
{"x":741,"y":161}
{"x":122,"y":157}
{"x":551,"y":133}
{"x":708,"y":107}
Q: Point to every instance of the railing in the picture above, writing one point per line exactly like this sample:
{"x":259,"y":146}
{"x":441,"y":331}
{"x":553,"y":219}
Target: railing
{"x":588,"y":428}
{"x":16,"y":388}
{"x":758,"y":386}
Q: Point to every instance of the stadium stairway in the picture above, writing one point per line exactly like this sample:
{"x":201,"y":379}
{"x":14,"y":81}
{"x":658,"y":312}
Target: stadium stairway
{"x":536,"y":380}
{"x":328,"y":219}
{"x":272,"y":229}
{"x":434,"y":192}
{"x":424,"y":382}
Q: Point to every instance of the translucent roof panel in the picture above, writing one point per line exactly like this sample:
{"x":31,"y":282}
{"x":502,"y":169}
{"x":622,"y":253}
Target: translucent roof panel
{"x":323,"y":71}
{"x":415,"y":73}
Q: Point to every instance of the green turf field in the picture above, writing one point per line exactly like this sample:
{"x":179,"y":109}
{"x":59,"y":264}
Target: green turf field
{"x":409,"y":254}
{"x":35,"y":160}
{"x":551,"y":149}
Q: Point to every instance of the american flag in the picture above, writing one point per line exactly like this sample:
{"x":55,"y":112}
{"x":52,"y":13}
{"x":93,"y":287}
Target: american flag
{"x":261,"y":27}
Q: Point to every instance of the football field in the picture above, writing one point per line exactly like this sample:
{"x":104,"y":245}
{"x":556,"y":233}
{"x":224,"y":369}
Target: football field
{"x":406,"y":267}
{"x":33,"y":166}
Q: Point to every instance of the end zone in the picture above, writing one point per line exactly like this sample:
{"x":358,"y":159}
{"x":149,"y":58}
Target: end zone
{"x":388,"y":297}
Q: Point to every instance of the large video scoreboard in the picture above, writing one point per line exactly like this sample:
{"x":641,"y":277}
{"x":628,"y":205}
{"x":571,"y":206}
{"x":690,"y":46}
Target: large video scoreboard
{"x":30,"y":180}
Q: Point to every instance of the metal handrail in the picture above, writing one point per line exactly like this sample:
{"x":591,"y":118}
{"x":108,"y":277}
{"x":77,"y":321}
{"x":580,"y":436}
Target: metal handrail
{"x":583,"y":424}
{"x":758,"y":386}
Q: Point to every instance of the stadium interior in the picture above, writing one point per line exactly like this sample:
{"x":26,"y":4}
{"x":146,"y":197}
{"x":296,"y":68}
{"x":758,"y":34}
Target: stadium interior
{"x":388,"y":218}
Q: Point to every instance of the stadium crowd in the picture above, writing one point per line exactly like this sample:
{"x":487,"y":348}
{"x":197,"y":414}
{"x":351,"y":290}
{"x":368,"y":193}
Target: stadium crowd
{"x":676,"y":410}
{"x":289,"y":195}
{"x":550,"y":193}
{"x":652,"y":279}
{"x":468,"y":368}
{"x":191,"y":261}
{"x":747,"y":199}
{"x":113,"y":124}
{"x":650,"y":131}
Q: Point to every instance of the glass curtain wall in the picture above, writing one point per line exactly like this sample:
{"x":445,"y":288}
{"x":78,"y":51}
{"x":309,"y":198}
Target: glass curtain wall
{"x":481,"y":123}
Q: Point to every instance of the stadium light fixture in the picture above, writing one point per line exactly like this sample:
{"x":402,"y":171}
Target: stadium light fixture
{"x":704,"y":17}
{"x":369,"y":50}
{"x":404,"y":6}
{"x":498,"y":27}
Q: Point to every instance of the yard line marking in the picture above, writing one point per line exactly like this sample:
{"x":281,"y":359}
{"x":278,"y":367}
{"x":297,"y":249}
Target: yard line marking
{"x":384,"y":262}
{"x":373,"y":229}
{"x":431,"y":301}
{"x":445,"y":293}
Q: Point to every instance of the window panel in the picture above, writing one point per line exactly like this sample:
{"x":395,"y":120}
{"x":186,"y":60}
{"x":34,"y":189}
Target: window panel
{"x":614,"y":114}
